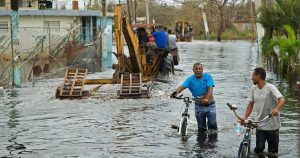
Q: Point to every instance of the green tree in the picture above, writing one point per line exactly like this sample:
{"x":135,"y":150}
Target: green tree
{"x":289,"y":48}
{"x":281,"y":23}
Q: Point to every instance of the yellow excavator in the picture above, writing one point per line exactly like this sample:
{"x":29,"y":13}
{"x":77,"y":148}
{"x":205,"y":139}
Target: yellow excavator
{"x":134,"y":73}
{"x":183,"y":31}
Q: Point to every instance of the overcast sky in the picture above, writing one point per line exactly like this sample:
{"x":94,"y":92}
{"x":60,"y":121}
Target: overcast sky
{"x":68,"y":3}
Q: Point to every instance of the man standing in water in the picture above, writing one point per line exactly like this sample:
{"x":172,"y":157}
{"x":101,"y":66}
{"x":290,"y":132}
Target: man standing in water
{"x":201,"y":85}
{"x":266,"y":99}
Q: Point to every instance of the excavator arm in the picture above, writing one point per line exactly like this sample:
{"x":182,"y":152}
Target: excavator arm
{"x":123,"y":26}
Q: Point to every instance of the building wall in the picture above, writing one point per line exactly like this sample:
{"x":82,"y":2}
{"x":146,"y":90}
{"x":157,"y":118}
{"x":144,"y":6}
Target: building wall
{"x":6,"y":4}
{"x":31,"y":29}
{"x":242,"y":26}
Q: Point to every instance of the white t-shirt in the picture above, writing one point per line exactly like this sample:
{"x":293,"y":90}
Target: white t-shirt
{"x":265,"y":100}
{"x":172,"y":41}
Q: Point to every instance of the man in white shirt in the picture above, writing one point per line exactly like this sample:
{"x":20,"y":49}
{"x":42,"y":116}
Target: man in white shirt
{"x":265,"y":98}
{"x":173,"y":47}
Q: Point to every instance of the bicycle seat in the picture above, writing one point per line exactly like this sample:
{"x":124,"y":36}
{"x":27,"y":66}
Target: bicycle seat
{"x":232,"y":106}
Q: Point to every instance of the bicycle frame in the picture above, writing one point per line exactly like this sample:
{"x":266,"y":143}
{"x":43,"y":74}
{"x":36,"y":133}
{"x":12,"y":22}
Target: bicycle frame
{"x":244,"y":149}
{"x":184,"y":117}
{"x":183,"y":126}
{"x":245,"y":142}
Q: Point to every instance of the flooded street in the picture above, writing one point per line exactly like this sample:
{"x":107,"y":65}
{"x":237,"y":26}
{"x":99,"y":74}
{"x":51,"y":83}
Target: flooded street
{"x":34,"y":124}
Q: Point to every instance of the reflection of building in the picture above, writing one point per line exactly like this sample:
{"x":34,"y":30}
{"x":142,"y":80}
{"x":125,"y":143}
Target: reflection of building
{"x":54,"y":34}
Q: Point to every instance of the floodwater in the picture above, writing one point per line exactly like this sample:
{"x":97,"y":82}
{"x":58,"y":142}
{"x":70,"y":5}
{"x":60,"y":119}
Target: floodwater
{"x":34,"y":124}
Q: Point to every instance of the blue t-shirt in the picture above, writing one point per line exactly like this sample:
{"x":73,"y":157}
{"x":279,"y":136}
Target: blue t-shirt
{"x":160,"y":39}
{"x":198,"y":86}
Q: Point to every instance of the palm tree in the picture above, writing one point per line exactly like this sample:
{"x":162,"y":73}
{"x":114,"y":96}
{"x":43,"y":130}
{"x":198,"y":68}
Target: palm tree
{"x":281,"y":22}
{"x":289,"y":48}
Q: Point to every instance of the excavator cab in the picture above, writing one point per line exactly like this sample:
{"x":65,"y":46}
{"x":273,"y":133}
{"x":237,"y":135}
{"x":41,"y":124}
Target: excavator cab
{"x":143,"y":33}
{"x":183,"y":31}
{"x":147,"y":43}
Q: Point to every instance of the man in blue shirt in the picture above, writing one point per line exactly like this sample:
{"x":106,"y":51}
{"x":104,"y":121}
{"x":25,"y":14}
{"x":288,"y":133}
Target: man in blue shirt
{"x":160,"y":37}
{"x":201,"y":85}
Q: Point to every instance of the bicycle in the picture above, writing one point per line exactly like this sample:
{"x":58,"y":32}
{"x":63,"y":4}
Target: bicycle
{"x":244,"y":149}
{"x":183,"y":125}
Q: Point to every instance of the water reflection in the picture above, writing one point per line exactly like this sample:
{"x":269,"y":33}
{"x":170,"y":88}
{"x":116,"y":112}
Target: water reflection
{"x":103,"y":126}
{"x":13,"y":114}
{"x":206,"y":145}
{"x":13,"y":117}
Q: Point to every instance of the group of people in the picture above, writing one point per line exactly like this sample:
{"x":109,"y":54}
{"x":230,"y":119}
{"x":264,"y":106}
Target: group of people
{"x":163,"y":38}
{"x":183,"y":32}
{"x":264,"y":97}
{"x":160,"y":38}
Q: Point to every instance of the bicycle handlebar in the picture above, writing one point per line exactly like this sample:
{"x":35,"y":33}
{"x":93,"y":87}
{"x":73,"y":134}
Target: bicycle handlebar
{"x":180,"y":97}
{"x":187,"y":99}
{"x":251,"y":123}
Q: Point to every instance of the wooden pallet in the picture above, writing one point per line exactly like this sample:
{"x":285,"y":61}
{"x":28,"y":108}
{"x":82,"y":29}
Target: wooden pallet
{"x":132,"y":86}
{"x":73,"y":83}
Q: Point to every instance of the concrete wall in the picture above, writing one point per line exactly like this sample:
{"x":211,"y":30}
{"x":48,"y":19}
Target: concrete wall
{"x":242,"y":26}
{"x":30,"y":27}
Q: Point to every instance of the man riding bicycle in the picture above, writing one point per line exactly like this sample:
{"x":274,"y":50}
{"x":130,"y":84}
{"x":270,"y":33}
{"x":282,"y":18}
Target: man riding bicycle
{"x":201,"y":86}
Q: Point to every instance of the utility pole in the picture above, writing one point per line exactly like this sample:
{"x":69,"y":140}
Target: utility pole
{"x":129,"y":6}
{"x":204,"y":20}
{"x":135,"y":5}
{"x":16,"y":72}
{"x":252,"y":18}
{"x":104,"y":59}
{"x":104,"y":8}
{"x":12,"y":53}
{"x":147,"y":11}
{"x":259,"y":28}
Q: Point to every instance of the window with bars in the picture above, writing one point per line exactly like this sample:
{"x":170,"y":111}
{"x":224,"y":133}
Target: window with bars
{"x":2,"y":3}
{"x":22,"y":3}
{"x":3,"y":25}
{"x":52,"y":26}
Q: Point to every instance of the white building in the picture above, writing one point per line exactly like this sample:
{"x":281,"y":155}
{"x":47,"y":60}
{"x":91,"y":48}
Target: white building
{"x":40,"y":28}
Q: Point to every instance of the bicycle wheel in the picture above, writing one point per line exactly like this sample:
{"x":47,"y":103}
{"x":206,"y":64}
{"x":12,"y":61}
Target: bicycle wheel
{"x":244,"y":151}
{"x":183,"y":127}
